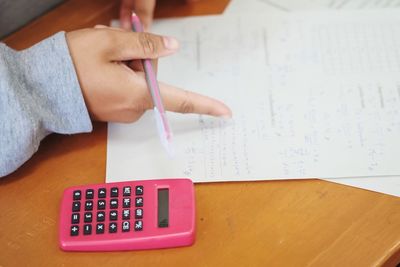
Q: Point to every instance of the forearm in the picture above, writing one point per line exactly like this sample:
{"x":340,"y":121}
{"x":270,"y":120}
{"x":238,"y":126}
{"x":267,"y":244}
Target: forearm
{"x":39,"y":94}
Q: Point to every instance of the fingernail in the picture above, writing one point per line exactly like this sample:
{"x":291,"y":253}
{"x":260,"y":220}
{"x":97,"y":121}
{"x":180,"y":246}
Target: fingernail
{"x":170,"y":43}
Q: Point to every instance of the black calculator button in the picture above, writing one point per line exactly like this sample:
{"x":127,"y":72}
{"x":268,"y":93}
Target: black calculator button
{"x":112,"y":228}
{"x":102,"y":193}
{"x":100,"y":228}
{"x":101,"y":204}
{"x":75,"y":218}
{"x":74,"y":230}
{"x":87,"y":229}
{"x":127,"y":191}
{"x":101,"y":216}
{"x":89,"y":205}
{"x":126,"y":226}
{"x":126,"y":203}
{"x":139,"y":190}
{"x":126,"y":214}
{"x":113,"y":215}
{"x":114,"y":192}
{"x":89,"y":193}
{"x":139,"y":214}
{"x":76,"y":206}
{"x":88,"y":217}
{"x":113,"y":203}
{"x":138,"y":225}
{"x":77,"y":195}
{"x":139,"y":202}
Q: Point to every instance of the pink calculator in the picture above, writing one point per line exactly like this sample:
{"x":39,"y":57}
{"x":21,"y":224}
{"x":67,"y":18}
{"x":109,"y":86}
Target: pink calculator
{"x":128,"y":215}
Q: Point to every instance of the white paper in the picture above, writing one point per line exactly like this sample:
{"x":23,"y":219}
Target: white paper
{"x":313,"y":95}
{"x":239,"y":7}
{"x":262,"y":6}
{"x":387,"y":185}
{"x":333,"y":4}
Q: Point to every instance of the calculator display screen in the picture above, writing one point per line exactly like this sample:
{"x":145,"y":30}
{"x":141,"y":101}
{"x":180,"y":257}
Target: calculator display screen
{"x":163,"y":207}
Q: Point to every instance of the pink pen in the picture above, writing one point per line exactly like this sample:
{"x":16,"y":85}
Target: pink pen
{"x":163,"y":127}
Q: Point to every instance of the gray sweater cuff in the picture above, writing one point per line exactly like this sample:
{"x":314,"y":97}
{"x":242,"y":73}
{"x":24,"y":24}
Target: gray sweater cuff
{"x":39,"y":95}
{"x":52,"y":81}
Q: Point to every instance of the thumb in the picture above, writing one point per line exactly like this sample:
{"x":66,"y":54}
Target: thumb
{"x":125,"y":14}
{"x":132,"y":45}
{"x":125,"y":18}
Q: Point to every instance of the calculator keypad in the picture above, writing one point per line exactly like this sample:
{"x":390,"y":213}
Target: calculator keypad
{"x":102,"y":210}
{"x":129,"y":215}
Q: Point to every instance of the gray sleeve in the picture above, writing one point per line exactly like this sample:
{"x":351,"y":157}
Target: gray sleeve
{"x":39,"y":95}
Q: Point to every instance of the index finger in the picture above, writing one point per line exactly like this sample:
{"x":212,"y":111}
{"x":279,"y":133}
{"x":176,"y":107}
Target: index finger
{"x":182,"y":101}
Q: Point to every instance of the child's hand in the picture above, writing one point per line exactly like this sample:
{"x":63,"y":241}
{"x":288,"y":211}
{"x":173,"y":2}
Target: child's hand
{"x":112,"y":79}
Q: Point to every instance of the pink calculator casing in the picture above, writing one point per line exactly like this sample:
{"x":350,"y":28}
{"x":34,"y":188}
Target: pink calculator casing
{"x":180,"y":232}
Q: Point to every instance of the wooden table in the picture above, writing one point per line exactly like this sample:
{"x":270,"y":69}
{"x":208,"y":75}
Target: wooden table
{"x":280,"y":223}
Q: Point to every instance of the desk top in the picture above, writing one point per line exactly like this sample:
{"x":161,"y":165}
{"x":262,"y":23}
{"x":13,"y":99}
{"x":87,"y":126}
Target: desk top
{"x":275,"y":223}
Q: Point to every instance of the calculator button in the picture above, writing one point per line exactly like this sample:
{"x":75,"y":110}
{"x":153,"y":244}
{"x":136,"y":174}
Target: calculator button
{"x":126,"y":226}
{"x":89,"y":205}
{"x":76,"y":206}
{"x":112,"y":228}
{"x":139,"y":202}
{"x":126,"y":203}
{"x":113,"y":203}
{"x":126,"y":214}
{"x":100,"y":228}
{"x":87,"y":229}
{"x":127,"y":191}
{"x":138,"y":225}
{"x":139,"y":190}
{"x":77,"y":194}
{"x":138,"y":213}
{"x":75,"y":218}
{"x":101,"y":216}
{"x":114,"y":192}
{"x":113,"y":215}
{"x":102,"y":193}
{"x":101,"y":204}
{"x":88,"y":217}
{"x":89,"y":193}
{"x":74,"y":230}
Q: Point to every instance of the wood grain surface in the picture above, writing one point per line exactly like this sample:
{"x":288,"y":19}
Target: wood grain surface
{"x":277,"y":223}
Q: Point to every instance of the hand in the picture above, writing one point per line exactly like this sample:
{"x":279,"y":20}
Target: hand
{"x":143,"y":8}
{"x":112,"y":79}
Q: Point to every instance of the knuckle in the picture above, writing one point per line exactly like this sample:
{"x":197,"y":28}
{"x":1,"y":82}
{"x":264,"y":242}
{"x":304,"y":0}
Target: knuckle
{"x":187,"y":105}
{"x":134,"y":111}
{"x":138,"y":106}
{"x":148,"y":44}
{"x":107,"y":42}
{"x":106,"y":38}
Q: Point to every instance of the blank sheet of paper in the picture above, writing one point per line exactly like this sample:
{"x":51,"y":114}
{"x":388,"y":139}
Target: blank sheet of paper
{"x":313,"y":95}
